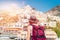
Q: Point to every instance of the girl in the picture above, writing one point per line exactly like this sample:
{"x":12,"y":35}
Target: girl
{"x":37,"y":30}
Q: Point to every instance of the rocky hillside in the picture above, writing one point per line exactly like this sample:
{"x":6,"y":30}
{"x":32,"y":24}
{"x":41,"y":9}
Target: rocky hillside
{"x":54,"y":11}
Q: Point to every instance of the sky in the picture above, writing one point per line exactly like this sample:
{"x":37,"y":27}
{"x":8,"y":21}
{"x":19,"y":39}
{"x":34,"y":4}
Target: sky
{"x":40,"y":5}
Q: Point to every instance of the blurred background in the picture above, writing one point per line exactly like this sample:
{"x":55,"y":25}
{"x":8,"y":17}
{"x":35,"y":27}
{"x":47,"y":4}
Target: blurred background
{"x":14,"y":13}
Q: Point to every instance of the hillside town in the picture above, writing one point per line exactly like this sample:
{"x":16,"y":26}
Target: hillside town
{"x":12,"y":23}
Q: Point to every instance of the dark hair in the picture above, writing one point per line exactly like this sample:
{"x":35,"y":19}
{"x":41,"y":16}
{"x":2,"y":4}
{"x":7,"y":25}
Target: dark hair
{"x":33,"y":19}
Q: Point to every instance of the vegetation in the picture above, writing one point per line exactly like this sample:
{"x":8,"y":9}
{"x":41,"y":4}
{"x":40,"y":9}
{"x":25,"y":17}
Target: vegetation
{"x":57,"y":31}
{"x":57,"y":28}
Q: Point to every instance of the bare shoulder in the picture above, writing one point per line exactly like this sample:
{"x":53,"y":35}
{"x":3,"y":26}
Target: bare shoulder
{"x":30,"y":27}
